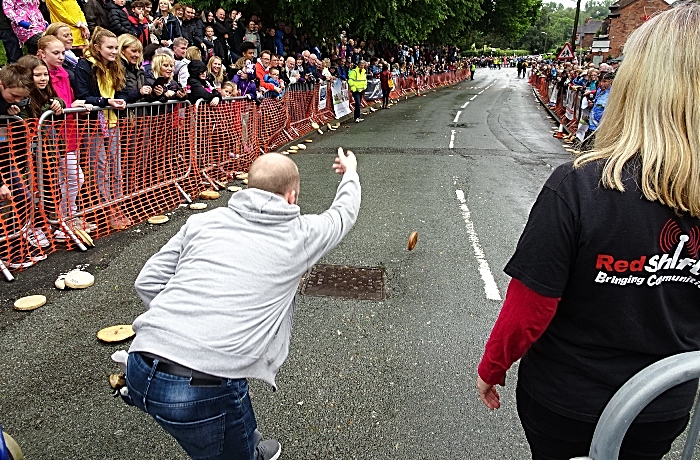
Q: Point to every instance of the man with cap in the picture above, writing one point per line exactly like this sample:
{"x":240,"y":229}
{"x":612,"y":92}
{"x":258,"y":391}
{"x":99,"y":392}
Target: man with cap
{"x":211,"y":324}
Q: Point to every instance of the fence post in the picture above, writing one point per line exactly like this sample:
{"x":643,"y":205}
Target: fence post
{"x":635,"y":395}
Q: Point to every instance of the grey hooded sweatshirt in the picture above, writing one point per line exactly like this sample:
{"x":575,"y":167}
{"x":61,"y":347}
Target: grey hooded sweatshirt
{"x":220,"y":293}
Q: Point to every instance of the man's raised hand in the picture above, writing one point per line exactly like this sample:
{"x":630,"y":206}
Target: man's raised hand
{"x":345,"y":161}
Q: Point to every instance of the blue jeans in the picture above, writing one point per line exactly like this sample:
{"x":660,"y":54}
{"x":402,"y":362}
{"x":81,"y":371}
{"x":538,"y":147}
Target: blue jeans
{"x":210,"y":423}
{"x":358,"y":102}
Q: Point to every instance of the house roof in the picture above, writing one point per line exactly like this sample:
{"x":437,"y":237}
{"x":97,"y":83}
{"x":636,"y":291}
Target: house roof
{"x":590,"y":27}
{"x":623,"y":3}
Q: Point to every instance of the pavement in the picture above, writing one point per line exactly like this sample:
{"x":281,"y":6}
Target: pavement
{"x":364,"y":379}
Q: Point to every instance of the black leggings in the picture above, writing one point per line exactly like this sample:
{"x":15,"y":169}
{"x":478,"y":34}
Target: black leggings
{"x":385,"y":96}
{"x":554,"y":437}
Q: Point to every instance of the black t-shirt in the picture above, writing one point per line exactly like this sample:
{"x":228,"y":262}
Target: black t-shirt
{"x":628,"y":274}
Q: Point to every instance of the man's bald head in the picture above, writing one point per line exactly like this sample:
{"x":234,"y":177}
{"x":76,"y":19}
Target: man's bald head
{"x":274,"y":173}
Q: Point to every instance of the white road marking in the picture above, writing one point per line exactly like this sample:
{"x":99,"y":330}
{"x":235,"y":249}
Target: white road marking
{"x":490,"y":286}
{"x":465,"y":105}
{"x":483,"y":90}
{"x":473,"y":97}
{"x":459,"y":112}
{"x":452,"y":139}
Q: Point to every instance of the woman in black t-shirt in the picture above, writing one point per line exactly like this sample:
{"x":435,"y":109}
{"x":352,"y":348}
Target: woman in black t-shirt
{"x":606,"y":274}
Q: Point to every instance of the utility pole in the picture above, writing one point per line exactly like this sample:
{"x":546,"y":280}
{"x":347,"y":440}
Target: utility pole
{"x":573,"y":32}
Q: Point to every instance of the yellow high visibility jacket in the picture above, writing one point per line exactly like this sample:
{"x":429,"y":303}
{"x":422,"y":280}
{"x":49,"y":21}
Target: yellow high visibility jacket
{"x":357,"y":79}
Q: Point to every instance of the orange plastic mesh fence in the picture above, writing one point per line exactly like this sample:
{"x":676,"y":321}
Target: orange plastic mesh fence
{"x":21,"y":230}
{"x":274,"y":123}
{"x":104,"y":171}
{"x":300,"y":104}
{"x":227,"y":140}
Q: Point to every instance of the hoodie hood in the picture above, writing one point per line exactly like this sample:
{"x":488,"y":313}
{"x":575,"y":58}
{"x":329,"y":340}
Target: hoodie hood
{"x":196,"y":68}
{"x":256,"y":205}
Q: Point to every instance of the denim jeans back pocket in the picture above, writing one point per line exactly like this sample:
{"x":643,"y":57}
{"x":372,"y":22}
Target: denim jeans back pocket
{"x":202,"y":439}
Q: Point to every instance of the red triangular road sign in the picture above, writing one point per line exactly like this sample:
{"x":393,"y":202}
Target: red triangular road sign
{"x":566,"y":53}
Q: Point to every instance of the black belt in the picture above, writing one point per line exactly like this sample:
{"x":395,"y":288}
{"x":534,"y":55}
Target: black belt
{"x":197,"y":379}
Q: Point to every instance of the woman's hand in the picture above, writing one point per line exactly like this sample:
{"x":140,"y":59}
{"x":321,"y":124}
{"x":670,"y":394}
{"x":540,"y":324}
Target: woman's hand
{"x":13,"y":110}
{"x":488,"y":394}
{"x":117,"y":103}
{"x":146,"y":90}
{"x":56,"y":107}
{"x":214,"y":102}
{"x":158,"y":90}
{"x":85,"y":32}
{"x":182,"y":92}
{"x":169,"y":93}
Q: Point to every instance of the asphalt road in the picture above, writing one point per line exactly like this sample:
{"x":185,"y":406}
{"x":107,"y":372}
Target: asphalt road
{"x":364,"y":380}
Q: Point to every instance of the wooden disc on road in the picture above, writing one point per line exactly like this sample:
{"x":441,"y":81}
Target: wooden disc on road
{"x":198,"y":206}
{"x":116,"y":333}
{"x":293,"y":147}
{"x":315,"y":125}
{"x":82,"y":234}
{"x":308,"y":141}
{"x":242,"y":176}
{"x":320,"y":131}
{"x":301,"y":146}
{"x":78,"y":279}
{"x":235,"y":188}
{"x":209,"y":195}
{"x":412,"y":240}
{"x":31,"y":302}
{"x":158,"y":219}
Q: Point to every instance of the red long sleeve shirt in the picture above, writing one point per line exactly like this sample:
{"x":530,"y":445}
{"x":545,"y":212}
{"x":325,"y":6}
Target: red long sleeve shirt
{"x":523,"y":319}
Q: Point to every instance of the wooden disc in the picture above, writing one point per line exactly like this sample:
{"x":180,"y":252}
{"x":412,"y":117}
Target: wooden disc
{"x":336,"y":126}
{"x":60,"y":282}
{"x":245,"y":181}
{"x":31,"y":302}
{"x":235,"y":188}
{"x":315,"y":125}
{"x":198,"y":206}
{"x":78,"y":279}
{"x":320,"y":131}
{"x":242,"y":176}
{"x":116,"y":333}
{"x":82,"y":234}
{"x":158,"y":219}
{"x":293,"y":147}
{"x":308,"y":141}
{"x":412,"y":240}
{"x":285,"y":152}
{"x":301,"y":146}
{"x":209,"y":195}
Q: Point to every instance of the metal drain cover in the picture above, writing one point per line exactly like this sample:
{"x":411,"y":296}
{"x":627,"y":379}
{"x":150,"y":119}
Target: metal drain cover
{"x":363,"y":283}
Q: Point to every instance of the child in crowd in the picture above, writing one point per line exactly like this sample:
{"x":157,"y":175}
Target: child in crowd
{"x":70,"y":175}
{"x":62,"y":31}
{"x":273,"y":78}
{"x":42,"y":96}
{"x":139,"y":21}
{"x":245,"y":79}
{"x":208,"y":43}
{"x":15,"y":85}
{"x":119,"y":18}
{"x":100,"y":80}
{"x":199,"y":86}
{"x":228,"y":89}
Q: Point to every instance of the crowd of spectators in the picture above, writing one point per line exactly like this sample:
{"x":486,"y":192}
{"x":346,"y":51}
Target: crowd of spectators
{"x":106,"y":54}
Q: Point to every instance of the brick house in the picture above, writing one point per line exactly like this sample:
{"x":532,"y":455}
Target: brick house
{"x":586,"y":32}
{"x":626,"y":16}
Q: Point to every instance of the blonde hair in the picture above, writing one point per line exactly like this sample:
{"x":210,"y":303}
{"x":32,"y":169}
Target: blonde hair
{"x":655,"y":118}
{"x":129,"y":41}
{"x":54,"y":27}
{"x":218,"y":77}
{"x":157,"y":63}
{"x":193,"y":53}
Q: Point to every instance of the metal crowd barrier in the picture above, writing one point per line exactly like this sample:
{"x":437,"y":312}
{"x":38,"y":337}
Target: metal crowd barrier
{"x":129,"y":159}
{"x":635,"y":395}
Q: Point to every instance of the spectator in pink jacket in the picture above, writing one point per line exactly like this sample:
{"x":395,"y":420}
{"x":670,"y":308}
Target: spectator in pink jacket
{"x":26,"y":20}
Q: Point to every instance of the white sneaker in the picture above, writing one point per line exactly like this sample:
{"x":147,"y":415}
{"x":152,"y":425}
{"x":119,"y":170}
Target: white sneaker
{"x":37,"y":238}
{"x":268,"y":450}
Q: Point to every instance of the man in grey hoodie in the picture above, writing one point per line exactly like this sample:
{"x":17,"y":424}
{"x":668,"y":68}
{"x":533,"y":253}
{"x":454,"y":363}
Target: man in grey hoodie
{"x":211,"y":324}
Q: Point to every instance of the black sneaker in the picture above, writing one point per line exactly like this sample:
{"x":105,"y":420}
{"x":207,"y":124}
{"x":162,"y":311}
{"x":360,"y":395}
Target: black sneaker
{"x":268,"y":450}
